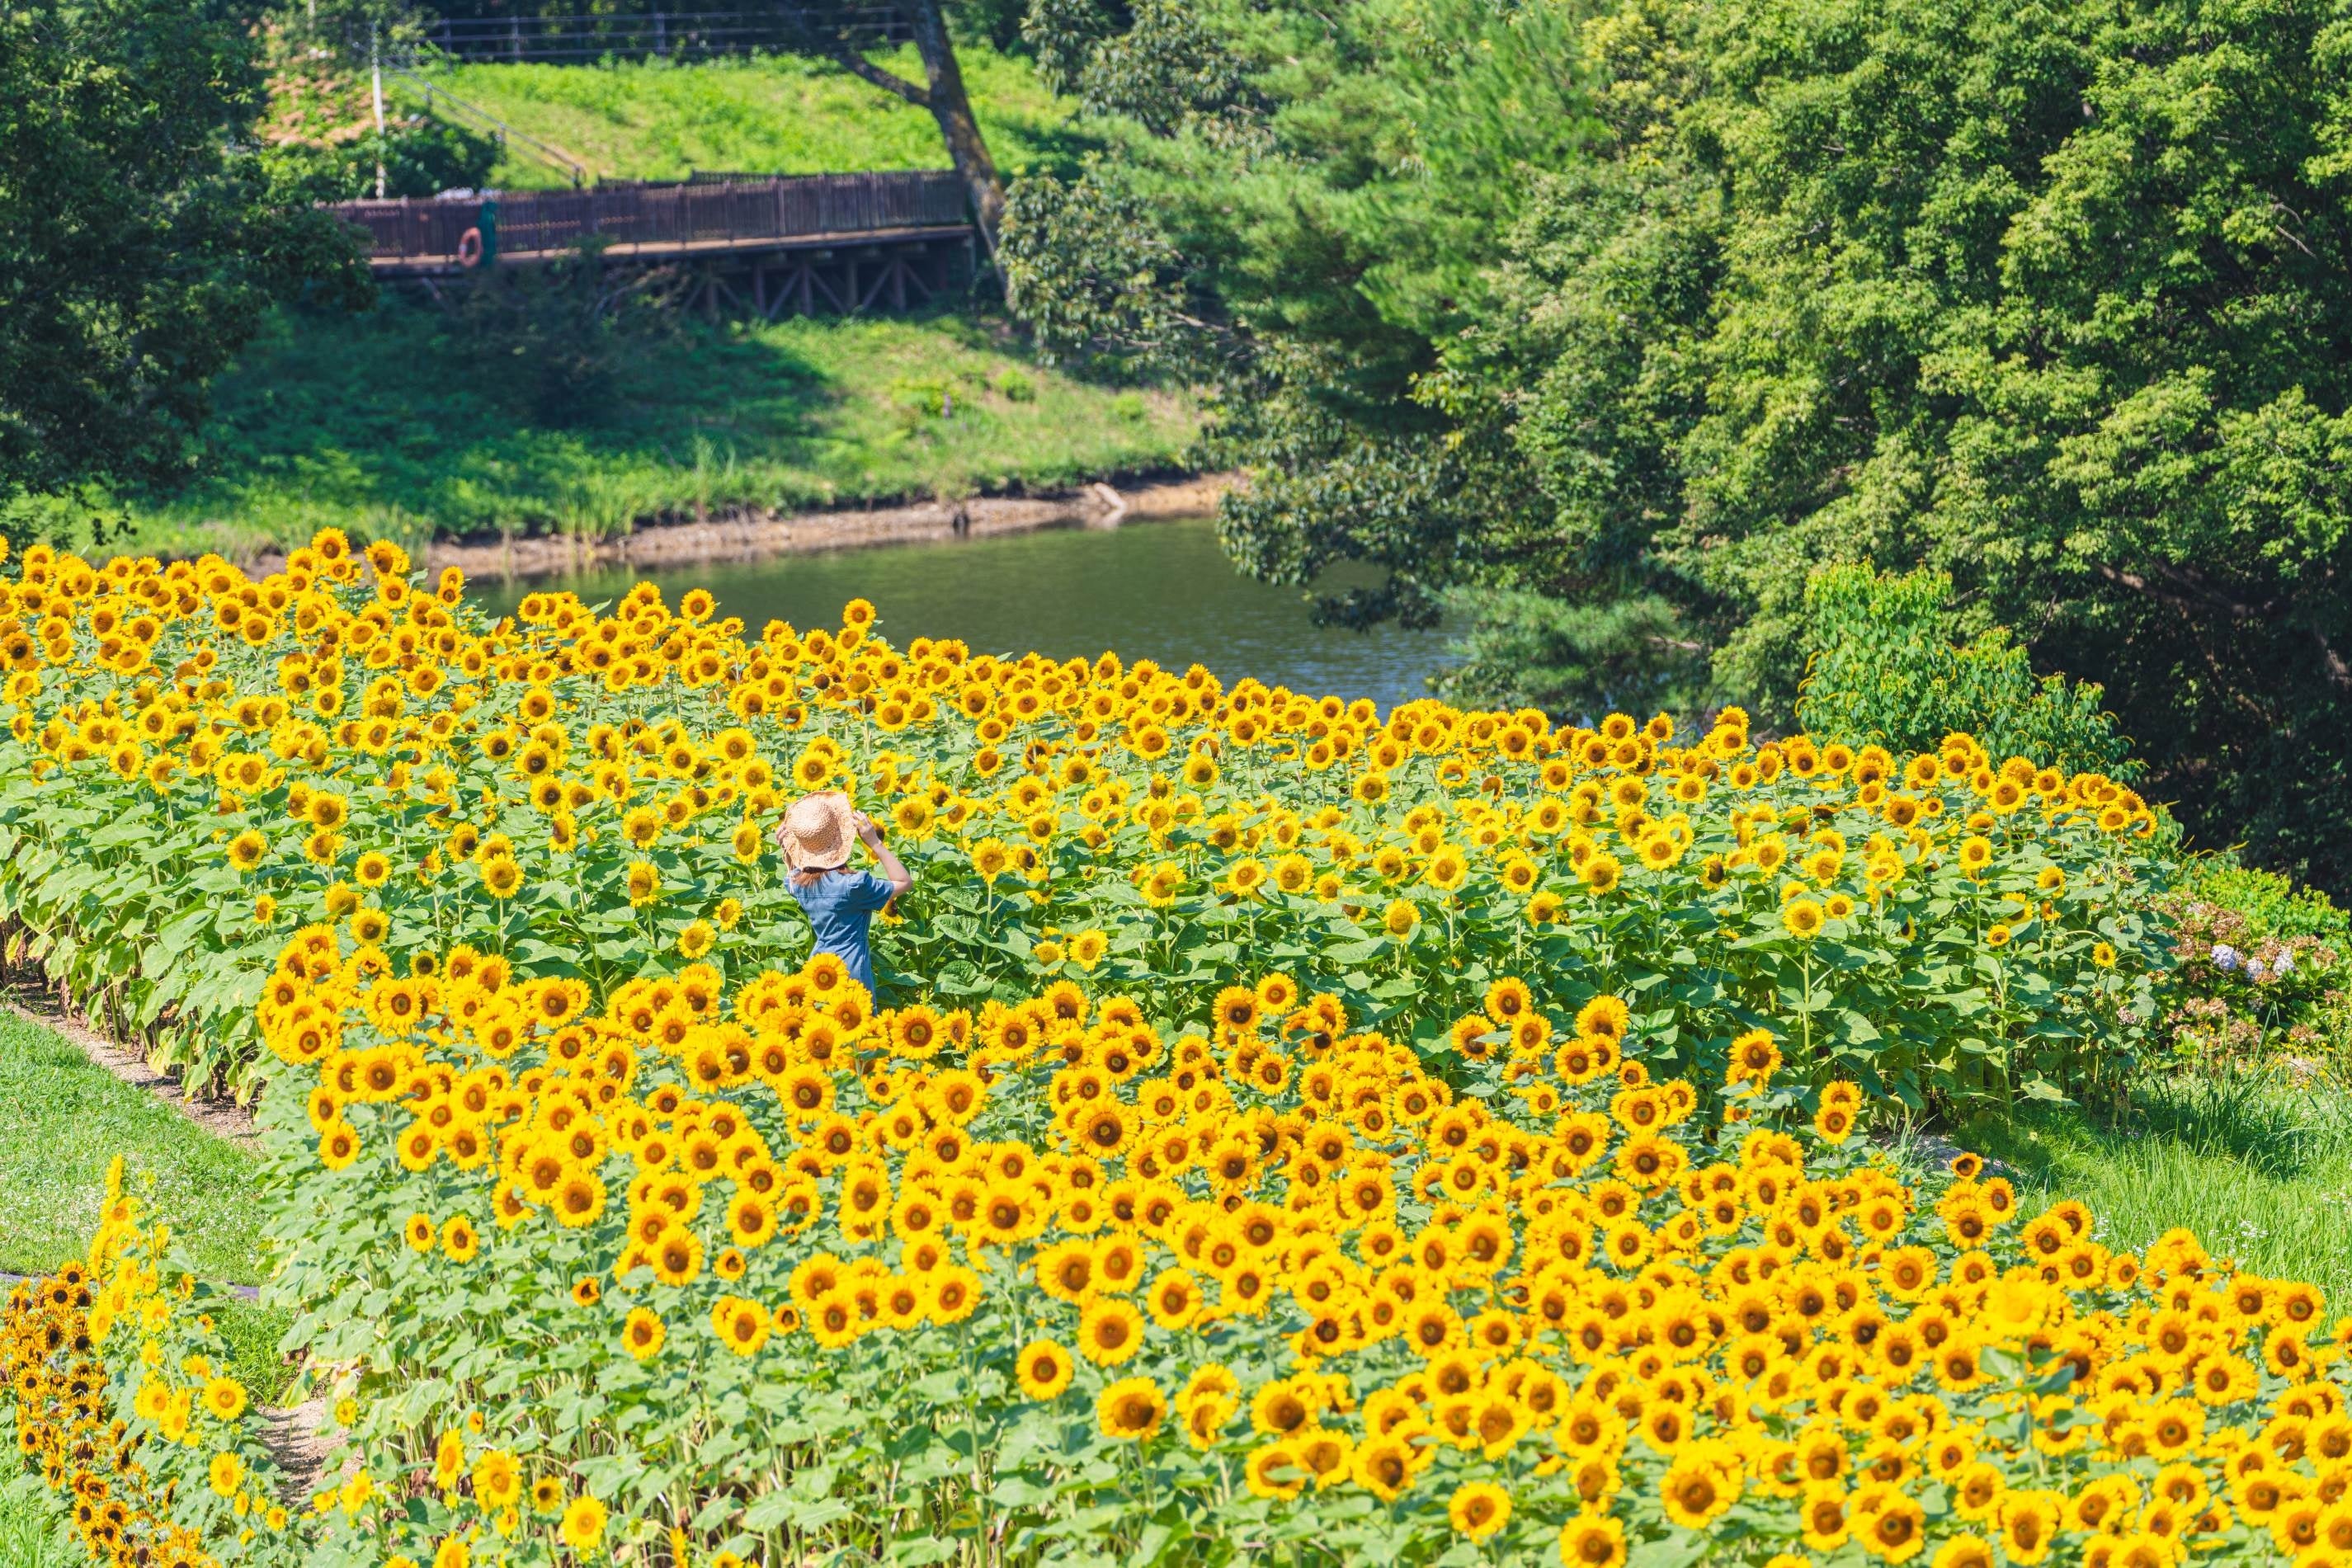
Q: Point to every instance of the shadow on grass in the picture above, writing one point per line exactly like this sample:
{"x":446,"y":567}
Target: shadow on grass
{"x":2250,"y":1121}
{"x":405,"y":422}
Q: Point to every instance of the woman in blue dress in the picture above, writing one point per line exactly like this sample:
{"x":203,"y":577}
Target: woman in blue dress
{"x":815,"y":837}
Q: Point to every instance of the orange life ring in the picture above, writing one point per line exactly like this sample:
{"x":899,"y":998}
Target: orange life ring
{"x":469,"y":249}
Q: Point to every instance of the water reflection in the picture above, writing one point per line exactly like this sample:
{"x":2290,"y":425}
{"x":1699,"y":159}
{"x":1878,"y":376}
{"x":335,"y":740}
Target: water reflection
{"x":1159,"y":590}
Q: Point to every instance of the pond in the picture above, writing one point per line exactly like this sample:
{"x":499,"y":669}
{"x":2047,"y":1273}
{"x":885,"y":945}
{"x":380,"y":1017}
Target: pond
{"x":1162,"y":591}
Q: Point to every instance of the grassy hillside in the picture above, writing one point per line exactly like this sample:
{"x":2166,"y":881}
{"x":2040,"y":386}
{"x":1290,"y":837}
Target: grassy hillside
{"x":657,"y":120}
{"x":400,"y":422}
{"x":409,"y":421}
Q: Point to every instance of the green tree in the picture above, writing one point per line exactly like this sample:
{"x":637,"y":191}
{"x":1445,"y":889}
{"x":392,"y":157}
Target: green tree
{"x":141,"y":239}
{"x":1298,"y":204}
{"x":2056,"y":300}
{"x":1668,"y":304}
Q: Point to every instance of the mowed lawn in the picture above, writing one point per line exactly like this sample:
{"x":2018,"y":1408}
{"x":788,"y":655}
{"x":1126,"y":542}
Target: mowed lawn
{"x":402,"y":422}
{"x":62,"y":1119}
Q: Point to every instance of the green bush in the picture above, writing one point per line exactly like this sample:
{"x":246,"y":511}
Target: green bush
{"x":1525,"y":650}
{"x":421,"y":156}
{"x":2270,"y":904}
{"x":915,"y":398}
{"x":1880,"y":669}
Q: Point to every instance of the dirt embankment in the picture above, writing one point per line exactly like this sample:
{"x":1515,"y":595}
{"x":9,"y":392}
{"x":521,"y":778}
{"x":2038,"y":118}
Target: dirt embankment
{"x":751,"y":536}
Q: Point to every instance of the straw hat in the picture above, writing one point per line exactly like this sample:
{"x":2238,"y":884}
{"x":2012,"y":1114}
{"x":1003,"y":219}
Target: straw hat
{"x":815,"y":834}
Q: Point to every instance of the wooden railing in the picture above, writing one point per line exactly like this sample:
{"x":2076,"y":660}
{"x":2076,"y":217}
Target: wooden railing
{"x":653,"y":221}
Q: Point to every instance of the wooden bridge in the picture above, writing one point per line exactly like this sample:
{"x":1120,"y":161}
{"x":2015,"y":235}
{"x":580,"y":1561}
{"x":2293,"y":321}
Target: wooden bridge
{"x":772,"y":243}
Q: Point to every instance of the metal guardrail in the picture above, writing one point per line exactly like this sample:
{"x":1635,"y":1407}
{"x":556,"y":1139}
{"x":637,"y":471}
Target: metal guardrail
{"x":672,"y":220}
{"x":472,"y":114}
{"x":663,"y":35}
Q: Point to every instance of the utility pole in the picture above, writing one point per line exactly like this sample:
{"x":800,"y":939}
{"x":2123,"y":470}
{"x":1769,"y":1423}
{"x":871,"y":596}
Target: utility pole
{"x":375,"y":69}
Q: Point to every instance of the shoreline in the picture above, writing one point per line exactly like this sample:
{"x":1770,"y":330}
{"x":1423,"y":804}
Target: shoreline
{"x":759,"y":534}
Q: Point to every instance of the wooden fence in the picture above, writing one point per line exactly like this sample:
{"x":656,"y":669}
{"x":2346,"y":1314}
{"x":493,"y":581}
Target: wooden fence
{"x":675,"y":221}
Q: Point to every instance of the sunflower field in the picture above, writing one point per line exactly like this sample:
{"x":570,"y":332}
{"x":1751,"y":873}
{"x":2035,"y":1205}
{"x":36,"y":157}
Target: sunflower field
{"x":755,"y":1277}
{"x":1279,"y":1132}
{"x":197,"y":763}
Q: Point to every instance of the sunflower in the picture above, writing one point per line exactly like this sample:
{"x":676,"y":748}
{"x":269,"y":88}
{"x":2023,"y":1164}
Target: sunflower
{"x":501,"y":877}
{"x":1698,"y":1488}
{"x":1478,"y":1510}
{"x":224,"y":1398}
{"x":1110,"y":1331}
{"x":1593,"y":1541}
{"x":741,"y":1325}
{"x":1130,"y":1410}
{"x":1043,"y":1370}
{"x":582,"y":1527}
{"x":245,"y":850}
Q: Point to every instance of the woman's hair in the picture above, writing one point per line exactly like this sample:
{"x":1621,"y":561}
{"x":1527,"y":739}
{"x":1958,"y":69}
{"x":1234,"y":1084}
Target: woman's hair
{"x":810,"y":875}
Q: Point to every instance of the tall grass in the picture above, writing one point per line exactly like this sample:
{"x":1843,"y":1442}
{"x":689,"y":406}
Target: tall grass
{"x":2259,"y":1166}
{"x":30,"y":1536}
{"x":655,"y":119}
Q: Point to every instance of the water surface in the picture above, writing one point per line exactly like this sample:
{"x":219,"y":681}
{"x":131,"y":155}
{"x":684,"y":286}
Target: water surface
{"x":1159,"y":590}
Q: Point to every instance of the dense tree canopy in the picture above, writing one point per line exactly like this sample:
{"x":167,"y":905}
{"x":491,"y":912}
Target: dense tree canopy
{"x":141,"y":239}
{"x":2056,"y":300}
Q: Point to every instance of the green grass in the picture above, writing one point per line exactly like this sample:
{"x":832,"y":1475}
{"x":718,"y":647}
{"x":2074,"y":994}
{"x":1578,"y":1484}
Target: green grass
{"x":62,"y":1118}
{"x":398,"y":424}
{"x":781,"y":114}
{"x":252,"y":1334}
{"x":2260,"y":1170}
{"x":31,"y":1536}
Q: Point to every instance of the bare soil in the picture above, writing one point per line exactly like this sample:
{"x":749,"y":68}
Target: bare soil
{"x":756,"y":535}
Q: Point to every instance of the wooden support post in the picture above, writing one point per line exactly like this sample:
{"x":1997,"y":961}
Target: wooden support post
{"x":849,"y":285}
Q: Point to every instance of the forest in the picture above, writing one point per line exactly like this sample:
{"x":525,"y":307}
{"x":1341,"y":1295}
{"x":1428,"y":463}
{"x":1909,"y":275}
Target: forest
{"x":1609,"y":326}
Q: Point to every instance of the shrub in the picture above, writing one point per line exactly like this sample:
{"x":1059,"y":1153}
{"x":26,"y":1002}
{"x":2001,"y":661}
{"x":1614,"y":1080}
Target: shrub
{"x":918,"y":399}
{"x":420,"y":155}
{"x":1528,"y":650}
{"x":1880,"y":668}
{"x":2259,"y":967}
